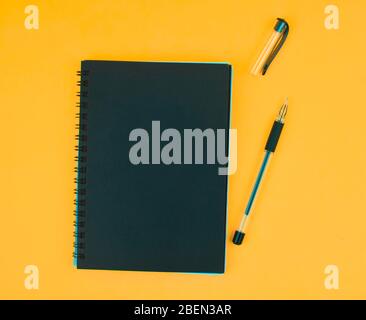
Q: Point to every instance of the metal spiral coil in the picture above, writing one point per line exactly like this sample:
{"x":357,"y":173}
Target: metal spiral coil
{"x":80,"y":168}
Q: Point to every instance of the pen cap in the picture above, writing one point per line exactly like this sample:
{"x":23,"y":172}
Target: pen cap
{"x":270,"y":50}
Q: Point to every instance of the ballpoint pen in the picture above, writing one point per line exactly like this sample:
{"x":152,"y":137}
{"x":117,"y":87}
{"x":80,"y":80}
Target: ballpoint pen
{"x":270,"y":148}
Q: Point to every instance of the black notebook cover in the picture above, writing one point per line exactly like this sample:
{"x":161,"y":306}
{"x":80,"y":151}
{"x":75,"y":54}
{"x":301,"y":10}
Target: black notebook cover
{"x":149,"y":217}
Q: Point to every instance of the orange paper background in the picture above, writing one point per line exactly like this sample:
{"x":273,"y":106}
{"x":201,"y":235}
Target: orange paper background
{"x":311,"y":210}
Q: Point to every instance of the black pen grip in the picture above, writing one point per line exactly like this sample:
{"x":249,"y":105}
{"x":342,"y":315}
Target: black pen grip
{"x":274,"y":136}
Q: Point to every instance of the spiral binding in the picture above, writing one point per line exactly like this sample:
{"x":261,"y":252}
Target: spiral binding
{"x":80,"y":169}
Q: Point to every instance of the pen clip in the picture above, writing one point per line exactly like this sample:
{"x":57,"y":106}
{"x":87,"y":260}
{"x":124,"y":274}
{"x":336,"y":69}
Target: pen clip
{"x":282,"y":27}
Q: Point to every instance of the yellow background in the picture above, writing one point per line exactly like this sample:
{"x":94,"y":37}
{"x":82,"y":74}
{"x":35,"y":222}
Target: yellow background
{"x":311,"y":211}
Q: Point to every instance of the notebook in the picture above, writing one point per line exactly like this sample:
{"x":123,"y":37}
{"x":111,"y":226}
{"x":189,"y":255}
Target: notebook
{"x":140,"y":204}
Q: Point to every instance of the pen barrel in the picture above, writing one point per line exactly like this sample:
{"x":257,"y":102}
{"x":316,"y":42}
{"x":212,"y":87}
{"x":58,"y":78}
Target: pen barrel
{"x":274,"y":136}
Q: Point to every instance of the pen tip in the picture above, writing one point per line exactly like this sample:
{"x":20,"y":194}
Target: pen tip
{"x":283,"y":111}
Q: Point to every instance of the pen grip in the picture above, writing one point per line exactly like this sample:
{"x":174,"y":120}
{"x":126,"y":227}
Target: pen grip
{"x":274,"y":136}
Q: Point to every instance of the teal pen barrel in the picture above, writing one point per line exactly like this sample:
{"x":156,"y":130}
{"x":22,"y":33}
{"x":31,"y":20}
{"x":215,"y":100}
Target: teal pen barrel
{"x":257,"y":183}
{"x":239,"y":234}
